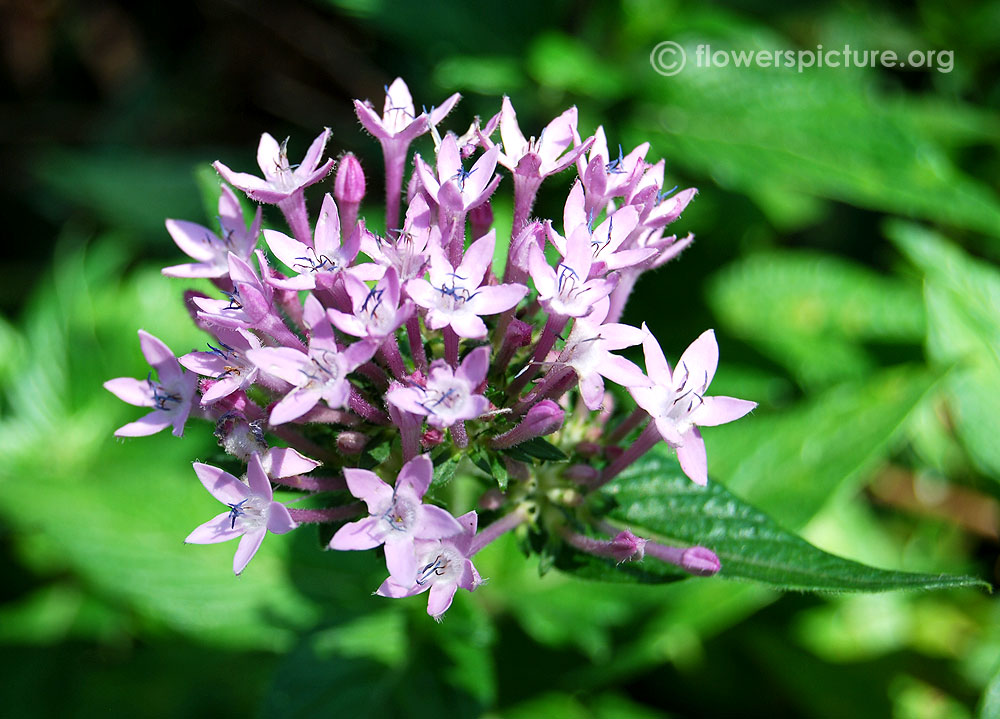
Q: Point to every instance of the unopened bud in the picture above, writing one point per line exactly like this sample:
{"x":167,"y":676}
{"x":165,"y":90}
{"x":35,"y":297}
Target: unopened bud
{"x":701,"y":561}
{"x":582,"y":473}
{"x":626,"y":546}
{"x":544,"y":418}
{"x":588,"y":449}
{"x":491,"y":499}
{"x":432,"y":437}
{"x":349,"y":183}
{"x":480,"y":220}
{"x":351,"y":442}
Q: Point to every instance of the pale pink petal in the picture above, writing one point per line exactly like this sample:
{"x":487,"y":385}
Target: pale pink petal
{"x":150,"y":424}
{"x":436,"y":523}
{"x":719,"y":410}
{"x":290,"y":251}
{"x":328,"y":228}
{"x":218,"y":529}
{"x":394,"y":590}
{"x":220,"y":484}
{"x":474,"y":367}
{"x":544,"y":277}
{"x":311,"y":160}
{"x":287,"y":462}
{"x":592,"y":390}
{"x":398,"y":99}
{"x":367,"y":486}
{"x":701,"y":358}
{"x":283,"y":362}
{"x":437,"y":114}
{"x":400,"y":558}
{"x":469,"y":578}
{"x":207,"y":364}
{"x":160,"y":357}
{"x":259,"y":483}
{"x":617,"y":336}
{"x":134,"y":391}
{"x":466,"y":324}
{"x":194,"y":240}
{"x":449,"y":161}
{"x":514,"y":144}
{"x":363,"y":534}
{"x":279,"y":521}
{"x":194,"y":270}
{"x":222,"y":388}
{"x":481,"y":173}
{"x":692,"y":457}
{"x":348,"y":323}
{"x":440,"y":598}
{"x":492,"y":299}
{"x":657,"y":366}
{"x":370,"y":120}
{"x":247,"y":548}
{"x":415,"y":475}
{"x":293,"y":405}
{"x":268,"y":155}
{"x":477,"y":259}
{"x":620,"y":371}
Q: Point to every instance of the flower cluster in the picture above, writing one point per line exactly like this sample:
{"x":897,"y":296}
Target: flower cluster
{"x":394,"y":359}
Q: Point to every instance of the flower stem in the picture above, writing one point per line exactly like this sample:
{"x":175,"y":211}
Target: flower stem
{"x":499,"y":527}
{"x":332,"y":514}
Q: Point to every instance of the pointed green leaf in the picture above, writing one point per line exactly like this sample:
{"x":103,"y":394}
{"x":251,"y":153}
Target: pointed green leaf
{"x":655,"y":499}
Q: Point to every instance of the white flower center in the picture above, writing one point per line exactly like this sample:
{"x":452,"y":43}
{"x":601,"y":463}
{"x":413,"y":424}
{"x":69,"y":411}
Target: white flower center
{"x":250,"y":514}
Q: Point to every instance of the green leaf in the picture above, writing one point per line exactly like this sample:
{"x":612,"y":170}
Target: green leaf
{"x":537,"y":448}
{"x":790,"y":465}
{"x":491,"y":464}
{"x":655,"y":499}
{"x":810,"y":311}
{"x":989,"y":707}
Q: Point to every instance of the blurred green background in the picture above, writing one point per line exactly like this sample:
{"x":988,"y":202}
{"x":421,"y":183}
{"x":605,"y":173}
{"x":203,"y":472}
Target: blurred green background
{"x":848,"y":229}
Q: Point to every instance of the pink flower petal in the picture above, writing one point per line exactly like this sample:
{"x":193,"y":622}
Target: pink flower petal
{"x":287,"y":462}
{"x":369,"y":487}
{"x":719,"y":410}
{"x":279,"y":521}
{"x":218,"y":529}
{"x":436,"y":523}
{"x":693,"y":458}
{"x":293,"y":405}
{"x":701,"y":359}
{"x":134,"y":391}
{"x":400,"y":558}
{"x":150,"y":424}
{"x":415,"y":476}
{"x":160,"y":357}
{"x":440,"y":598}
{"x":360,"y":535}
{"x":220,"y":484}
{"x":259,"y":483}
{"x":248,"y":547}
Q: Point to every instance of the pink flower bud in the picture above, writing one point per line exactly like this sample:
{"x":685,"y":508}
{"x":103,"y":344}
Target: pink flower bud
{"x":544,"y":418}
{"x":626,"y":546}
{"x":480,"y":220}
{"x":349,"y":184}
{"x":491,"y":499}
{"x":351,"y":442}
{"x":583,"y":473}
{"x":432,"y":437}
{"x":588,"y":449}
{"x":701,"y":561}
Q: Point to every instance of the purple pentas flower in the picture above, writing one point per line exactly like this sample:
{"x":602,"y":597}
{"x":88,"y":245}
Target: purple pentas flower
{"x":399,"y":120}
{"x":248,"y":305}
{"x":443,"y":566}
{"x":677,"y":403}
{"x":542,"y":157}
{"x":588,"y":352}
{"x":377,"y":312}
{"x":211,"y":251}
{"x":252,"y":511}
{"x":318,"y":374}
{"x":397,"y":517}
{"x":227,"y":363}
{"x":565,"y":290}
{"x":450,"y":395}
{"x":171,"y":395}
{"x":319,"y":264}
{"x":455,"y":296}
{"x":453,"y":187}
{"x":407,"y":253}
{"x":281,"y":180}
{"x":604,"y":177}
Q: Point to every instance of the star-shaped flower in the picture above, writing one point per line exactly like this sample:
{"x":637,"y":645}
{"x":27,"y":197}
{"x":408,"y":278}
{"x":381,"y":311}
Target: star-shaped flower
{"x":450,"y":395}
{"x":252,"y":511}
{"x":377,"y":311}
{"x":171,"y":394}
{"x":399,"y":120}
{"x":281,"y":180}
{"x":227,"y":363}
{"x":211,"y":251}
{"x":319,"y":375}
{"x":454,"y":295}
{"x":588,"y":352}
{"x":454,"y":188}
{"x":677,"y":403}
{"x":443,"y":565}
{"x":397,"y":517}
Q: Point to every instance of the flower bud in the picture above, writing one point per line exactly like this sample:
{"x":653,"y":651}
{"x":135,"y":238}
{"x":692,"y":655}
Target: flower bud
{"x":588,"y":449}
{"x":626,"y":546}
{"x":349,"y":184}
{"x":491,"y":499}
{"x":480,"y":220}
{"x":701,"y":561}
{"x":582,"y":473}
{"x":544,"y":418}
{"x":351,"y":442}
{"x":432,"y":437}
